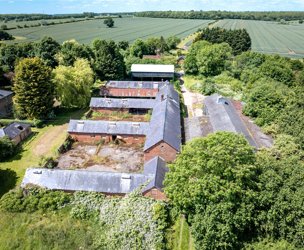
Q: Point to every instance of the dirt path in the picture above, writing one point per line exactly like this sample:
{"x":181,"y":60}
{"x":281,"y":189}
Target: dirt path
{"x":45,"y":143}
{"x":194,"y":103}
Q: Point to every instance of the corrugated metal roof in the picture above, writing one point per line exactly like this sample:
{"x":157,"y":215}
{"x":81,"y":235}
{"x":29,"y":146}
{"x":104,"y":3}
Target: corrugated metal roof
{"x":134,"y":84}
{"x":224,"y":117}
{"x":165,"y":124}
{"x":105,"y":182}
{"x":122,"y":103}
{"x":5,"y":93}
{"x":108,"y":127}
{"x":152,"y":68}
{"x":14,"y":129}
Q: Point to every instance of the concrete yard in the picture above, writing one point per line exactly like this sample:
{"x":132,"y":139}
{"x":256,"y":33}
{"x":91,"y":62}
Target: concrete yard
{"x":110,"y":157}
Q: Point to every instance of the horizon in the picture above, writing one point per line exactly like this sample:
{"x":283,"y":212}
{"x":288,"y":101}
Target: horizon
{"x":53,"y":7}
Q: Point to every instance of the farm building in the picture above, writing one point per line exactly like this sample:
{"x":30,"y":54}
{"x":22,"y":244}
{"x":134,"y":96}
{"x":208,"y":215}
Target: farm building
{"x":95,"y":131}
{"x":129,"y":105}
{"x":152,"y":71}
{"x":109,"y":183}
{"x":223,"y":116}
{"x":131,"y":89}
{"x":164,"y":133}
{"x":16,"y":131}
{"x":6,"y":103}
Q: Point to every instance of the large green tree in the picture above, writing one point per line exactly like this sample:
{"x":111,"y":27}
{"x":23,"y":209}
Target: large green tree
{"x":34,"y":91}
{"x":73,"y":84}
{"x":109,"y":63}
{"x":213,"y":181}
{"x":46,"y":49}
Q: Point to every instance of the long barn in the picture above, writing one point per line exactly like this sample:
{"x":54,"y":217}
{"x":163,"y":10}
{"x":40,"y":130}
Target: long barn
{"x":152,"y":72}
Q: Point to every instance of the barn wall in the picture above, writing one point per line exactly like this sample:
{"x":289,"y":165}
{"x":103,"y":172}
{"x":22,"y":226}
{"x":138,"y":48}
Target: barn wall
{"x":6,"y":105}
{"x":162,"y":150}
{"x":94,"y":138}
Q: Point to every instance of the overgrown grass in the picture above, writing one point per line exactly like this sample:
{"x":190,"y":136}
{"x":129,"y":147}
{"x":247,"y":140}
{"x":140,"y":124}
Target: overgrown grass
{"x":180,"y":236}
{"x":44,"y":231}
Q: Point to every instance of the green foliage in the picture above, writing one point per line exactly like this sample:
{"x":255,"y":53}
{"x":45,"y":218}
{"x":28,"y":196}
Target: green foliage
{"x":138,"y":48}
{"x":270,"y":245}
{"x":213,"y":181}
{"x":71,"y":50}
{"x":173,"y":41}
{"x":123,"y":45}
{"x":282,"y":191}
{"x":33,"y":199}
{"x":48,"y":162}
{"x":46,"y":49}
{"x":207,"y":59}
{"x":73,"y":84}
{"x":5,"y":36}
{"x":34,"y":91}
{"x":278,"y":69}
{"x":109,"y":63}
{"x":238,"y":40}
{"x":7,"y":148}
{"x":109,"y":22}
{"x":265,"y":101}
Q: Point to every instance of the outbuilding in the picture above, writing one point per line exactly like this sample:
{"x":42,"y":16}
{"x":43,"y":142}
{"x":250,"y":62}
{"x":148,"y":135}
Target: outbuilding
{"x":152,"y":72}
{"x":6,"y":103}
{"x":16,"y":131}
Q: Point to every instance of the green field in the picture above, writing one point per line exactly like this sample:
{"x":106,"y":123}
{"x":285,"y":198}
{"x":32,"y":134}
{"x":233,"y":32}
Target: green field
{"x":125,"y":29}
{"x":271,"y":37}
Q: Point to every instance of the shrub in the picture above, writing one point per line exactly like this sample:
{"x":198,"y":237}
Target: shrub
{"x":7,"y":148}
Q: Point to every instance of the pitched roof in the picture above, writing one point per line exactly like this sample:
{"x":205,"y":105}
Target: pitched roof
{"x":106,"y":127}
{"x":122,"y":103}
{"x":14,"y":129}
{"x":152,"y":68}
{"x":134,"y":84}
{"x":165,"y":124}
{"x":5,"y":93}
{"x":105,"y":182}
{"x":224,"y":117}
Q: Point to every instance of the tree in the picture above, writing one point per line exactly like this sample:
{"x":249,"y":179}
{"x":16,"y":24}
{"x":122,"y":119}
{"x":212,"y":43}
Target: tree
{"x":139,"y":48}
{"x":213,"y":181}
{"x":173,"y":41}
{"x":281,"y":193}
{"x":7,"y":148}
{"x":5,"y":36}
{"x":109,"y":22}
{"x":71,"y":50}
{"x":46,"y":49}
{"x":3,"y":27}
{"x":34,"y":91}
{"x":123,"y":45}
{"x":73,"y":84}
{"x":108,"y":61}
{"x":211,"y":59}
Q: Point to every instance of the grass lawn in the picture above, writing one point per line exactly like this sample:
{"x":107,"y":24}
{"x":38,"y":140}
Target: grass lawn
{"x":50,"y":230}
{"x":43,"y":142}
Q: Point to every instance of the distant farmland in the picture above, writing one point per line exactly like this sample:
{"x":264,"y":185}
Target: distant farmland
{"x":125,"y":29}
{"x":271,"y":37}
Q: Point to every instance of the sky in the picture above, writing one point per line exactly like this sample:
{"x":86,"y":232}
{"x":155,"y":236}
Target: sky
{"x":104,"y":6}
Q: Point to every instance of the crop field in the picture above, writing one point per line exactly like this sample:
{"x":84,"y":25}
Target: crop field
{"x":271,"y":37}
{"x":128,"y":29}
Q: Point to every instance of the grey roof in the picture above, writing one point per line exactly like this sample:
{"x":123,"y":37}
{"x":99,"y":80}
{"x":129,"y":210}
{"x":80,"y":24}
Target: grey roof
{"x":105,"y":182}
{"x":157,"y":167}
{"x":224,"y":117}
{"x":167,"y":91}
{"x":108,"y":127}
{"x":5,"y":93}
{"x":165,"y":124}
{"x":134,"y":84}
{"x":122,"y":103}
{"x":14,"y":129}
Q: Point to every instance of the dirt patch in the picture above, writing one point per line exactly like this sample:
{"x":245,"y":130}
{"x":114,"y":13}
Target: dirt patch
{"x":194,"y":103}
{"x":112,"y":158}
{"x":46,"y":142}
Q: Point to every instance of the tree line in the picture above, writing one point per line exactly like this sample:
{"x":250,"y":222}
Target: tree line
{"x":217,"y":15}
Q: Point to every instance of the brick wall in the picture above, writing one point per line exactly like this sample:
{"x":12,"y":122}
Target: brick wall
{"x":162,"y":150}
{"x":155,"y":194}
{"x":131,"y":92}
{"x":93,"y":138}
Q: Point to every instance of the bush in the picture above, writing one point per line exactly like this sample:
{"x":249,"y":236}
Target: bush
{"x":66,"y":146}
{"x":7,"y":148}
{"x":33,"y":199}
{"x":48,"y":162}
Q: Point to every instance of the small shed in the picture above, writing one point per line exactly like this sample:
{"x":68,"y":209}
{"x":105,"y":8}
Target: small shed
{"x":152,"y":71}
{"x":16,"y":131}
